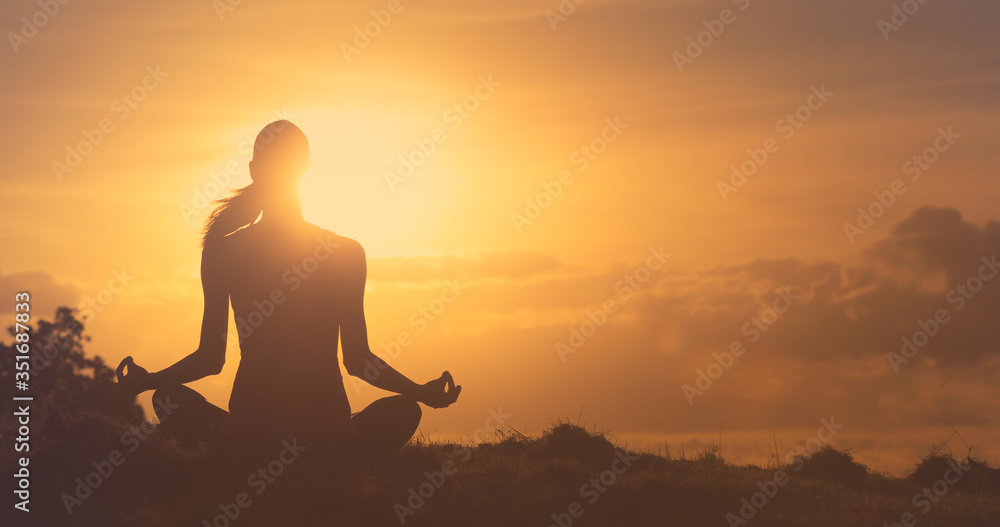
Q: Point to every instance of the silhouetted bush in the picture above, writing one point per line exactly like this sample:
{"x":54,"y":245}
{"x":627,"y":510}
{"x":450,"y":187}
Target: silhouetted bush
{"x":832,"y":465}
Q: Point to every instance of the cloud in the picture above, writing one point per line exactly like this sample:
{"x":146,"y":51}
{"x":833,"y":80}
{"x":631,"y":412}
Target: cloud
{"x":516,"y":265}
{"x":855,"y":309}
{"x":932,"y":262}
{"x":937,"y":239}
{"x":929,"y":262}
{"x":826,"y":354}
{"x":47,"y":293}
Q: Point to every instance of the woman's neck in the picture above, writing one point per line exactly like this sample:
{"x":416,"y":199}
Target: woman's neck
{"x":281,"y":217}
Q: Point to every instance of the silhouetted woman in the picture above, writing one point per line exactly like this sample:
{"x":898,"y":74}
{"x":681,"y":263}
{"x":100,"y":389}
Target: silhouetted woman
{"x":294,"y":288}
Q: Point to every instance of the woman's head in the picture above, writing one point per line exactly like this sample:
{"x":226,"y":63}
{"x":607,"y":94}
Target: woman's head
{"x":280,"y":156}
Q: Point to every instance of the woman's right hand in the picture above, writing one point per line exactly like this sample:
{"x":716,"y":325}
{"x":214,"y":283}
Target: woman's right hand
{"x":440,"y":392}
{"x":136,"y":381}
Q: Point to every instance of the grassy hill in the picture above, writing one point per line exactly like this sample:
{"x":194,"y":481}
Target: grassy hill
{"x":567,"y":477}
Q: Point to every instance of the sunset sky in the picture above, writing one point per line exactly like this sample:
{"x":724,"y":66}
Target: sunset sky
{"x":562,"y":152}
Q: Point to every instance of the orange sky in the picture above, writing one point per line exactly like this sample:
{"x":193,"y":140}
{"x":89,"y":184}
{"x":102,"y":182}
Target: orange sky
{"x":512,"y":98}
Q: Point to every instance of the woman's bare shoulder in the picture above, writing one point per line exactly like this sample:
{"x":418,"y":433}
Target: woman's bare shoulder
{"x":334,"y":242}
{"x":217,"y":247}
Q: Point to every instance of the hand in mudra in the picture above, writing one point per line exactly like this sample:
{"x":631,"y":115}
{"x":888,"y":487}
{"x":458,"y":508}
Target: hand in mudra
{"x":136,"y":381}
{"x":440,"y":392}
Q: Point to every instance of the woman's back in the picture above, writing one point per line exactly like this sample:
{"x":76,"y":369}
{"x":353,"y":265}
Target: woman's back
{"x":286,"y":289}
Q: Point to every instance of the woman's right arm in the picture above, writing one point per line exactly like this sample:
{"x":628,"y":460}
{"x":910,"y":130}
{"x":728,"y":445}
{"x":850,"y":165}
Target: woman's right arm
{"x":210,"y":356}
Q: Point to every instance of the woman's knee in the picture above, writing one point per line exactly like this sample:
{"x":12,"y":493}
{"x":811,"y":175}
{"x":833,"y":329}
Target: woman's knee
{"x":390,"y":415}
{"x":185,"y":414}
{"x":169,"y":399}
{"x":407,"y":409}
{"x":411,"y":409}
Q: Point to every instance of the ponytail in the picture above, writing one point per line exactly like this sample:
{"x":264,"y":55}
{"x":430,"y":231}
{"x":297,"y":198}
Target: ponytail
{"x":280,"y":144}
{"x":233,"y":213}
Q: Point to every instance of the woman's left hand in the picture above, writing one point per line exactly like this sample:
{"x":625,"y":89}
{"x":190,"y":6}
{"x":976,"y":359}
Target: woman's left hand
{"x":440,"y":392}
